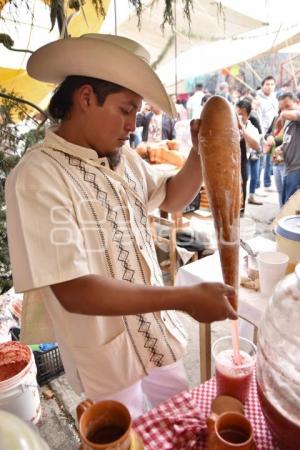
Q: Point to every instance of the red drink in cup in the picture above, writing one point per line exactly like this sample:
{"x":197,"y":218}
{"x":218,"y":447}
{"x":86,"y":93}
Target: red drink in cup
{"x":234,"y":379}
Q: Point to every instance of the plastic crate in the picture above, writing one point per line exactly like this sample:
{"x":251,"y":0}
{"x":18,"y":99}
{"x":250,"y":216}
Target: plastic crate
{"x":49,"y":365}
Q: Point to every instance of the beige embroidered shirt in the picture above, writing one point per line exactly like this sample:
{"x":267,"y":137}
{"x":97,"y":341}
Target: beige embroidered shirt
{"x":70,"y":215}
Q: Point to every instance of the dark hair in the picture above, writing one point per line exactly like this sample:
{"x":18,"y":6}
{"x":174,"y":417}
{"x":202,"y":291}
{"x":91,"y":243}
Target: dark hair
{"x":244,"y":104}
{"x":287,"y":95}
{"x":205,"y":98}
{"x":62,"y":99}
{"x":199,"y":86}
{"x":248,"y":99}
{"x":269,"y":77}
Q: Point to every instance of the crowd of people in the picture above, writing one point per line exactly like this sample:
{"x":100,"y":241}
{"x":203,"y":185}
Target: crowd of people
{"x":269,"y":122}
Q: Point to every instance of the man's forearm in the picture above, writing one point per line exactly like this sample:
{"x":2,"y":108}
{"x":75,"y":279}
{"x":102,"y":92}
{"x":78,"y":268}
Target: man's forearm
{"x":184,"y":186}
{"x":250,"y":141}
{"x":98,"y":295}
{"x":290,"y":115}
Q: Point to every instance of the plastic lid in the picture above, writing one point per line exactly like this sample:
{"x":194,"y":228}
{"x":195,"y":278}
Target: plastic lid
{"x":289,"y":227}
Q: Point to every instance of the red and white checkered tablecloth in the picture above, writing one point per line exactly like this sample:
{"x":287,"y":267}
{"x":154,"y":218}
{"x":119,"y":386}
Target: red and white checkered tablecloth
{"x":180,"y":422}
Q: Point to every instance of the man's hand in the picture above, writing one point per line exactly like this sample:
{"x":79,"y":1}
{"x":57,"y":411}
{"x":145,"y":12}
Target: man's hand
{"x":195,"y":127}
{"x":241,"y":125}
{"x":270,"y":140}
{"x":211,"y":302}
{"x":97,"y":295}
{"x":279,"y":124}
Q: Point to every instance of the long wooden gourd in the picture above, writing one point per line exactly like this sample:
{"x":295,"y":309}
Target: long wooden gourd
{"x":219,"y":148}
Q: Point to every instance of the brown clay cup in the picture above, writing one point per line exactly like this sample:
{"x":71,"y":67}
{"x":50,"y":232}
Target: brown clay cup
{"x":105,"y":426}
{"x":230,"y":430}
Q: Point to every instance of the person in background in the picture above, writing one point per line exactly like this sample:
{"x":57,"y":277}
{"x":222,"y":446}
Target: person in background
{"x":235,"y":96}
{"x":273,"y":145}
{"x":251,"y":98}
{"x":135,"y":138}
{"x":194,"y":102}
{"x":182,"y":113}
{"x":181,"y":110}
{"x":254,"y":180}
{"x":205,"y":98}
{"x":286,"y":87}
{"x":223,"y":90}
{"x":249,"y":143}
{"x":156,"y":125}
{"x":182,"y":128}
{"x":289,"y":120}
{"x":267,"y":109}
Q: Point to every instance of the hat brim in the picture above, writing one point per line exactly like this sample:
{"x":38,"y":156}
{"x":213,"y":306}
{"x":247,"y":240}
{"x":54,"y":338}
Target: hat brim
{"x":97,"y":58}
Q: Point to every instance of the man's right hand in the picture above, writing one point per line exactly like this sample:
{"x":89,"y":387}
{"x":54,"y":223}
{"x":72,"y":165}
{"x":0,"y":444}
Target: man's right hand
{"x":209,"y":302}
{"x":96,"y":295}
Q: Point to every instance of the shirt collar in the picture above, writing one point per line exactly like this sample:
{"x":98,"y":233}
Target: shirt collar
{"x":56,"y":142}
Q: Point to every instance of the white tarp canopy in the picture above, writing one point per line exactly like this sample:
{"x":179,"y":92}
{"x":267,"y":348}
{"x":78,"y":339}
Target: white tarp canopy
{"x":219,"y":37}
{"x":210,"y":57}
{"x":209,"y":22}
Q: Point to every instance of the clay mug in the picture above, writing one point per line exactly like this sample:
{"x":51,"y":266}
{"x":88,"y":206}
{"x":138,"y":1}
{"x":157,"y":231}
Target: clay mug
{"x":229,"y":430}
{"x":106,"y":425}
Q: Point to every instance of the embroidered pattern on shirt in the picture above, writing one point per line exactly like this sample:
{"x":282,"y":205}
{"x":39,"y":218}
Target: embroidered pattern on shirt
{"x":111,"y":216}
{"x":150,"y":341}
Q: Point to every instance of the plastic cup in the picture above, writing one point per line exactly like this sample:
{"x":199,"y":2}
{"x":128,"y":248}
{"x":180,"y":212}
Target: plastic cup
{"x":272,"y":268}
{"x":234,"y":379}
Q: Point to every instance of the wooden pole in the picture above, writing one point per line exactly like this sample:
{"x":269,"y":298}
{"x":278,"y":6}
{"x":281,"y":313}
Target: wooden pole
{"x":175,"y":48}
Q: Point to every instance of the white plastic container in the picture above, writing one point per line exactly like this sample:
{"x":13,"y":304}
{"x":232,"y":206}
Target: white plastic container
{"x":19,"y":393}
{"x":278,"y":362}
{"x":288,"y":239}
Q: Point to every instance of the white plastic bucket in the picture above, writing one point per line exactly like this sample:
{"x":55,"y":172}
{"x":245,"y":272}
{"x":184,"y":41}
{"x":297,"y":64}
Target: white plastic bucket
{"x":19,"y":393}
{"x":288,"y":239}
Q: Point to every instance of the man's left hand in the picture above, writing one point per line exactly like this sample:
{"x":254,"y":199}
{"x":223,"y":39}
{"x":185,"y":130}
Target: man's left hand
{"x":195,"y":127}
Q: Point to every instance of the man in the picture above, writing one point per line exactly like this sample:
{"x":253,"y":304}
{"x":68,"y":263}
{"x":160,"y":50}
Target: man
{"x":267,"y":109}
{"x":289,"y":118}
{"x":223,"y":91}
{"x":249,"y":151}
{"x":79,"y":239}
{"x":193,"y":104}
{"x":157,"y":126}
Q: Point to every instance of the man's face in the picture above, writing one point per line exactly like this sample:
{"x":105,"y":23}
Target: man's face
{"x":287,"y":104}
{"x":268,"y":87}
{"x":155,"y":109}
{"x":242,"y":114}
{"x":108,"y":126}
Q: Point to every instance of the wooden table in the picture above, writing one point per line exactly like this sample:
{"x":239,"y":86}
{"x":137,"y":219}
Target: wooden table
{"x":251,"y":303}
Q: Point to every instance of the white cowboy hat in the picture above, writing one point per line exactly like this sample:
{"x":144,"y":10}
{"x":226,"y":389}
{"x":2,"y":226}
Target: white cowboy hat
{"x":111,"y":58}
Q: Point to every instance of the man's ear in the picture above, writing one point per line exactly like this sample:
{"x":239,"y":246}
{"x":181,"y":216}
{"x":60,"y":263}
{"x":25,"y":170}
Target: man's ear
{"x":85,"y":97}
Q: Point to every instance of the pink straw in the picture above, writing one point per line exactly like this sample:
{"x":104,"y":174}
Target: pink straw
{"x":235,"y":342}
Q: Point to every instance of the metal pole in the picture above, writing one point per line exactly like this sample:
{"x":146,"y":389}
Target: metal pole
{"x":175,"y":46}
{"x":115,"y":11}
